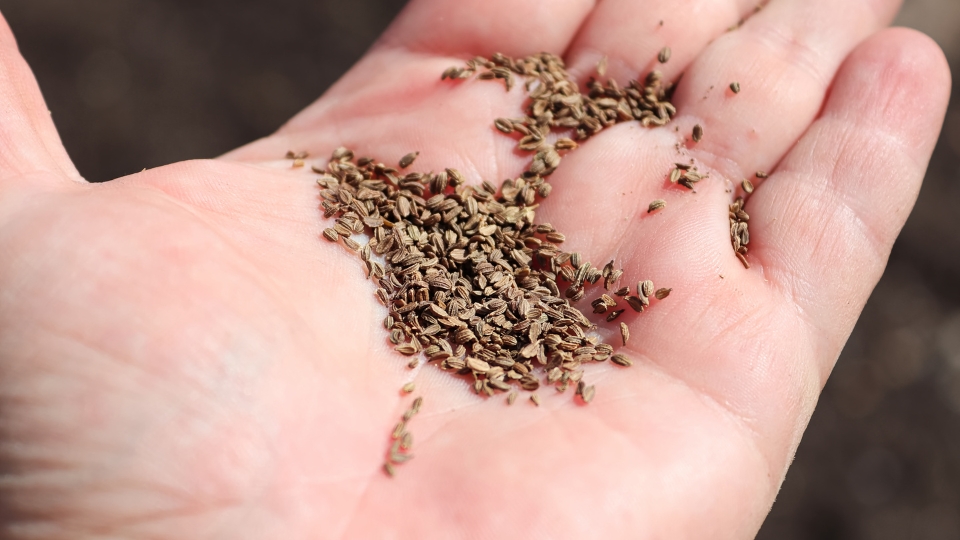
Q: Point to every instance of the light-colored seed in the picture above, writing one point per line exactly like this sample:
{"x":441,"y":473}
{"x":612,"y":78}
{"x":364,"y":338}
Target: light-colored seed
{"x":624,"y":333}
{"x":761,"y":174}
{"x":735,"y":87}
{"x":535,"y":399}
{"x":697,"y":133}
{"x":658,"y":204}
{"x":398,"y":431}
{"x":406,"y":441}
{"x":646,"y":288}
{"x":511,"y":397}
{"x":602,"y":66}
{"x":409,"y":387}
{"x":412,"y":364}
{"x":675,"y":175}
{"x":417,"y":403}
{"x":408,"y":159}
{"x":662,"y":293}
{"x":621,"y":360}
{"x":388,"y":468}
{"x":298,"y":163}
{"x":743,"y":260}
{"x":747,"y":186}
{"x":664,"y":55}
{"x":588,"y":393}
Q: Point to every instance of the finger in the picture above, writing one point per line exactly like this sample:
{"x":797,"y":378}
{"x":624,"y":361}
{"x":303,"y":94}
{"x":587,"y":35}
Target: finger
{"x":783,"y":59}
{"x":825,"y":223}
{"x":483,"y":27}
{"x":631,"y":34}
{"x":28,"y":138}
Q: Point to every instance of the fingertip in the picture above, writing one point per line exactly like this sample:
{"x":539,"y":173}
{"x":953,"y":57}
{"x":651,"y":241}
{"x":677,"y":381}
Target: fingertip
{"x":906,"y":73}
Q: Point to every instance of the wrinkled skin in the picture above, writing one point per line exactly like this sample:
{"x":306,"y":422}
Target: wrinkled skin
{"x":183,"y":356}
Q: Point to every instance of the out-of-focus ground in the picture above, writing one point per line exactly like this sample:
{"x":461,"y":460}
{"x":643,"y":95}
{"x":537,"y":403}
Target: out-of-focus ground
{"x":142,"y":83}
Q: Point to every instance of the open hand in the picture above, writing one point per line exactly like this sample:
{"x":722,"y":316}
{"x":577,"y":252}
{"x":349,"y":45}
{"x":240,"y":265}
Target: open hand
{"x":183,"y":356}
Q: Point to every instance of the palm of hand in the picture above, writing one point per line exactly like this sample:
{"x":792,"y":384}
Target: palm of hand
{"x":183,"y":356}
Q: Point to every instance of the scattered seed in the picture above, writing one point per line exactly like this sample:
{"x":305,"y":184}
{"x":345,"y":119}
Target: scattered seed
{"x":735,"y":87}
{"x":697,"y":133}
{"x":388,"y":468}
{"x":535,"y":399}
{"x":658,"y":204}
{"x":409,"y":387}
{"x":587,"y":393}
{"x":621,"y":360}
{"x":761,"y":174}
{"x":747,"y":186}
{"x":602,"y":66}
{"x":624,"y":332}
{"x":664,"y":55}
{"x":662,"y":293}
{"x":331,"y":235}
{"x":511,"y":397}
{"x":408,"y":159}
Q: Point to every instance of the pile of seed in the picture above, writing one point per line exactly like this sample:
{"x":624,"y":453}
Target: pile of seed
{"x":470,"y":281}
{"x":739,"y":233}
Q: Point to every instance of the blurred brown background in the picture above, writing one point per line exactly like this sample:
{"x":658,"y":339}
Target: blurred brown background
{"x":142,"y":83}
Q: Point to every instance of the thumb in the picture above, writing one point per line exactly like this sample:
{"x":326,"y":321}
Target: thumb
{"x":29,"y":143}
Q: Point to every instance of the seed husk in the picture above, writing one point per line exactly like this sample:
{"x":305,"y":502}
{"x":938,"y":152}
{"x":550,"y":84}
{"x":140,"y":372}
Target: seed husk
{"x":658,"y":204}
{"x":735,"y":87}
{"x":697,"y":133}
{"x":624,"y":332}
{"x":602,"y":66}
{"x":664,"y":55}
{"x":408,"y":159}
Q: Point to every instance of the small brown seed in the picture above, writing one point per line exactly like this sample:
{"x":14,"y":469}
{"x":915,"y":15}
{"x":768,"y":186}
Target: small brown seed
{"x":388,"y":468}
{"x":664,"y":55}
{"x":406,"y":349}
{"x":658,"y":204}
{"x":662,"y":293}
{"x":614,"y":314}
{"x":511,"y":397}
{"x":331,"y":235}
{"x":747,"y":186}
{"x":735,"y":87}
{"x":624,"y":333}
{"x":408,"y":159}
{"x":621,"y":360}
{"x":697,"y":133}
{"x":587,"y":393}
{"x":761,"y":174}
{"x":409,"y":387}
{"x":535,"y":399}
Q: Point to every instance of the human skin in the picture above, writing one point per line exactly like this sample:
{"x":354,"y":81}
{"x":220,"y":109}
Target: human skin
{"x":183,"y":356}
